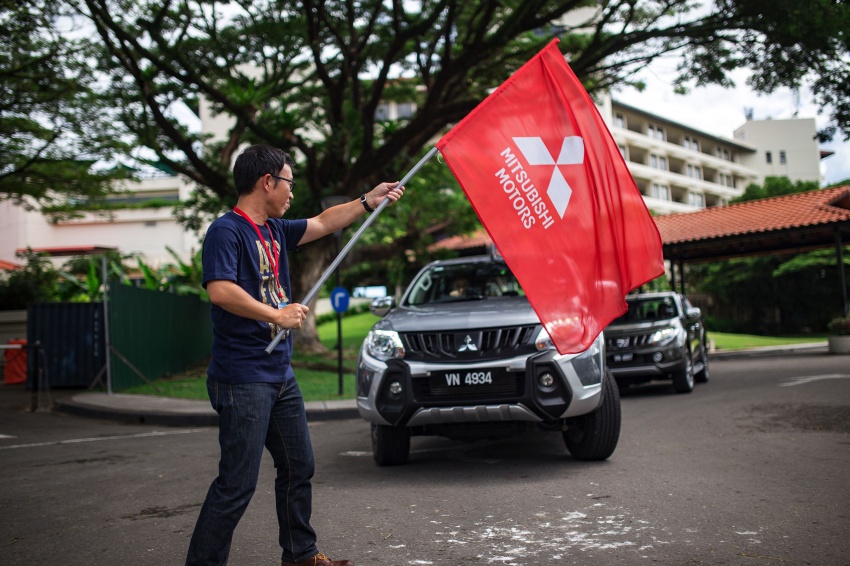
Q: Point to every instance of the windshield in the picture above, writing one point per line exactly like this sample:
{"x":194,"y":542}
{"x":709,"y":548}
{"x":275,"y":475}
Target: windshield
{"x":463,"y":282}
{"x":649,"y":309}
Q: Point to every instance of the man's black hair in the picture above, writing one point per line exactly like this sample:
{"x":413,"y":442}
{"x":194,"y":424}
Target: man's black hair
{"x":256,"y":161}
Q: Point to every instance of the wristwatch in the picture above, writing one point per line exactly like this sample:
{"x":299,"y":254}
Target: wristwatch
{"x":366,"y":204}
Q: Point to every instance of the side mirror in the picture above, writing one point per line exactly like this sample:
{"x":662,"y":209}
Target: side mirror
{"x":381,"y":306}
{"x":693,"y":312}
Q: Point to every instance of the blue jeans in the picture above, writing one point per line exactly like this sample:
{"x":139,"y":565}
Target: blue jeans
{"x":251,"y":416}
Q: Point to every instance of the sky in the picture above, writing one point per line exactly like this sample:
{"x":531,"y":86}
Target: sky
{"x":720,"y":111}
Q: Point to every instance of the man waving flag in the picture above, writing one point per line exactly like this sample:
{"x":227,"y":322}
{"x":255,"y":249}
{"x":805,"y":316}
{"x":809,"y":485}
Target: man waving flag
{"x":548,"y":182}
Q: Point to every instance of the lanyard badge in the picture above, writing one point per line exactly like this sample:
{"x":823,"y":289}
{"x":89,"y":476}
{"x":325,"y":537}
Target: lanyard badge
{"x":272,"y":253}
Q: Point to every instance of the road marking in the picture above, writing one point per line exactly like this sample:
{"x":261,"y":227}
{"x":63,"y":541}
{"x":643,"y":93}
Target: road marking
{"x":120,"y":437}
{"x":7,"y":436}
{"x":811,"y":378}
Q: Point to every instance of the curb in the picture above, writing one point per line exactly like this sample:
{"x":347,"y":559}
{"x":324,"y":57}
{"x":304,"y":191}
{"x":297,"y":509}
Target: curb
{"x":167,"y":411}
{"x":163,"y":411}
{"x":808,"y":348}
{"x":139,"y":416}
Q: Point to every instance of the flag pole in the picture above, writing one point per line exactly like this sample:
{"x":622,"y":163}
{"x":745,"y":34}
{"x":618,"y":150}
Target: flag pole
{"x":317,"y":287}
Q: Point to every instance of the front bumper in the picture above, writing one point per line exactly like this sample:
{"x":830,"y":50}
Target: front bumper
{"x":519,"y":398}
{"x":640,"y":363}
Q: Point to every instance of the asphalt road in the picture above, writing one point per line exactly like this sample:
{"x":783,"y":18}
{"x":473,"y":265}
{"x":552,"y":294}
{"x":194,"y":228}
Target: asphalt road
{"x":751,"y":468}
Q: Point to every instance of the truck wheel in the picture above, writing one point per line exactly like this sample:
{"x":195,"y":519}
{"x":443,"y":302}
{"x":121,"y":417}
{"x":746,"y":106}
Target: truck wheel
{"x":390,"y":444}
{"x":702,"y":375}
{"x":683,"y":380}
{"x":594,"y":436}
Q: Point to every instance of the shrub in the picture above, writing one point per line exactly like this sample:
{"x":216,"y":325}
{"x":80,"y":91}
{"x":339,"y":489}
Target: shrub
{"x":839,"y":326}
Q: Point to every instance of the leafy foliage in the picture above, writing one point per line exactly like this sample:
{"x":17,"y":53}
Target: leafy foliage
{"x":81,"y":278}
{"x":310,"y":77}
{"x":32,"y":283}
{"x":839,"y":326}
{"x":775,"y":187}
{"x":54,"y":124}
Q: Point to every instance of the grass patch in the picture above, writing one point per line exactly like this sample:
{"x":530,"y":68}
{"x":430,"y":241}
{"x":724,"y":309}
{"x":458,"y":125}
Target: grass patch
{"x":725,"y":341}
{"x":318,"y":376}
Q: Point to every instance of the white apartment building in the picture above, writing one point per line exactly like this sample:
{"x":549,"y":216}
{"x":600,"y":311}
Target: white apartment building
{"x":145,"y":231}
{"x":680,"y":169}
{"x":677,"y":169}
{"x":785,"y":148}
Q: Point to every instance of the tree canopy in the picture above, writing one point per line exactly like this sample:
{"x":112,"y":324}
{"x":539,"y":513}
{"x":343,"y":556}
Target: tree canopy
{"x":311,"y":77}
{"x":54,"y":124}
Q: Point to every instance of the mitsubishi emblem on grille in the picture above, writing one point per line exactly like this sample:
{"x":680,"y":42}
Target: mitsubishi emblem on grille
{"x":622,"y":342}
{"x":468,"y":345}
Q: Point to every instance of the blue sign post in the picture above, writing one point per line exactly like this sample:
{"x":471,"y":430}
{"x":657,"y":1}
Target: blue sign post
{"x":339,"y":301}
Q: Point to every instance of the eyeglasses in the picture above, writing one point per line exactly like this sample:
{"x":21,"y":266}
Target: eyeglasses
{"x":290,"y":181}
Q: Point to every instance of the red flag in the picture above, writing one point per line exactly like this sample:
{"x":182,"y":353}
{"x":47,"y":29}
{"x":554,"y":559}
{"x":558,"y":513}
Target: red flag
{"x":548,"y":182}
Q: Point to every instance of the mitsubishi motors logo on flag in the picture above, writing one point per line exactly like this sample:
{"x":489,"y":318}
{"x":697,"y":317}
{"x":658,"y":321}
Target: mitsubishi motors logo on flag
{"x":572,"y":153}
{"x":547,"y":180}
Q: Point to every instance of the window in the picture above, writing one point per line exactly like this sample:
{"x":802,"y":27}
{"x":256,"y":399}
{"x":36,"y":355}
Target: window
{"x":622,"y":149}
{"x":782,"y":158}
{"x":723,"y":154}
{"x":691,"y":143}
{"x":696,"y":199}
{"x":725,"y":180}
{"x":658,"y":162}
{"x":655,"y":132}
{"x":619,"y":120}
{"x":694,"y":171}
{"x":661,"y":192}
{"x":768,"y":157}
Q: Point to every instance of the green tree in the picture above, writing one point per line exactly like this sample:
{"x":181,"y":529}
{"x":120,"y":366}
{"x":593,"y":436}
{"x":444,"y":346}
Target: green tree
{"x":54,"y":124}
{"x":775,"y":187}
{"x":34,"y":282}
{"x":310,"y":77}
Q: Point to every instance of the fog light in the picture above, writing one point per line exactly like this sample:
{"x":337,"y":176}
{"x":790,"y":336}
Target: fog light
{"x":395,"y":387}
{"x":546,"y":380}
{"x":657,"y":357}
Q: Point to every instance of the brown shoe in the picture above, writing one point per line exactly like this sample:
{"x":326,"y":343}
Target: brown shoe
{"x":319,"y":560}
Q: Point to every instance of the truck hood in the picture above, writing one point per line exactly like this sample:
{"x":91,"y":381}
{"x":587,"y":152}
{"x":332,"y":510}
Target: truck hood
{"x":642,"y":327}
{"x":491,"y":312}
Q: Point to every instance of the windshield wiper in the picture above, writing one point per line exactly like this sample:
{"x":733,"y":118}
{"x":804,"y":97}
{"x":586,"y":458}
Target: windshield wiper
{"x":461,"y":299}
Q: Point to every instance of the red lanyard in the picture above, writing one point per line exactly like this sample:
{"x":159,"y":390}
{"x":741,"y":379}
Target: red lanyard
{"x":272,"y":257}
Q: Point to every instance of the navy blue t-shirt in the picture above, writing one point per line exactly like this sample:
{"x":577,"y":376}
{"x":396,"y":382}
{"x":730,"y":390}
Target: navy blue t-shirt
{"x":233,"y":252}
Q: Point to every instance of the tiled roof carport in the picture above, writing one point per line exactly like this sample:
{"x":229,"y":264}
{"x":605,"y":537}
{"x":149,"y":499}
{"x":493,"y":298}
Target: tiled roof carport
{"x":787,"y":224}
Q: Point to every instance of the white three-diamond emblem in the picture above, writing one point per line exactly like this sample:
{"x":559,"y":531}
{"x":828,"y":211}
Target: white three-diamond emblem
{"x":572,"y":153}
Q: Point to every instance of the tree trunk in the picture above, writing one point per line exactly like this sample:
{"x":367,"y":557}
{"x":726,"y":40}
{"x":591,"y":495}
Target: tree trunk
{"x":305,"y":267}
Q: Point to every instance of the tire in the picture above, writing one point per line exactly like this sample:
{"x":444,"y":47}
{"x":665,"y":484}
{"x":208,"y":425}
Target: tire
{"x":594,"y":436}
{"x":390,"y":444}
{"x":683,"y":380}
{"x":703,"y":375}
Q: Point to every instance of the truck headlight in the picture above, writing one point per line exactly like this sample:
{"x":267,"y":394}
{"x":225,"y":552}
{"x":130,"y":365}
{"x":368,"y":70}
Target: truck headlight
{"x":590,"y":364}
{"x":663,"y":335}
{"x":543,"y":341}
{"x":384,"y":345}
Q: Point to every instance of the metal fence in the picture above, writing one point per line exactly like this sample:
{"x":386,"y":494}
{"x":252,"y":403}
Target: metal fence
{"x":154,"y":334}
{"x":71,"y":340}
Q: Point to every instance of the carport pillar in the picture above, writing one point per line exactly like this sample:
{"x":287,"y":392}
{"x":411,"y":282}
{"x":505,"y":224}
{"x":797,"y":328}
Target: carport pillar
{"x":682,"y":276}
{"x":672,"y":274}
{"x":839,"y":252}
